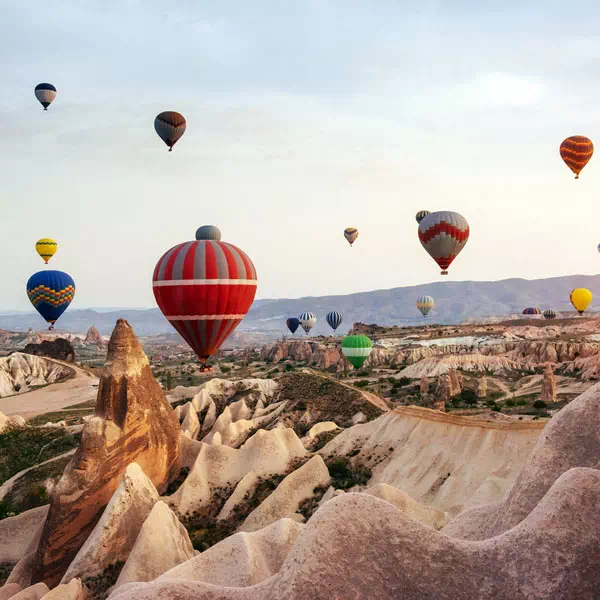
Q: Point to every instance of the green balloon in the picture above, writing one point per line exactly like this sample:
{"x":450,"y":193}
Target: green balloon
{"x":356,"y":349}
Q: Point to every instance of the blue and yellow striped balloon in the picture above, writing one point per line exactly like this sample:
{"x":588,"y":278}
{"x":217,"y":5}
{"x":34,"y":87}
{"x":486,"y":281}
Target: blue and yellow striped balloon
{"x":51,"y":292}
{"x":334,"y":319}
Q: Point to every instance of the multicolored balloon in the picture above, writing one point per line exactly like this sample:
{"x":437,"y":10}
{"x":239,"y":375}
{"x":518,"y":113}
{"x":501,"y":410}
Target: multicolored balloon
{"x":576,"y":151}
{"x":444,"y":234}
{"x":204,"y":288}
{"x":580,"y":298}
{"x":46,"y":248}
{"x":51,"y":292}
{"x":531,"y":311}
{"x":421,"y":215}
{"x":307,"y":321}
{"x":45,"y":93}
{"x":334,"y":319}
{"x":292,"y":324}
{"x":425,"y":304}
{"x":356,"y":348}
{"x":350,"y":233}
{"x":170,"y":126}
{"x":549,"y":314}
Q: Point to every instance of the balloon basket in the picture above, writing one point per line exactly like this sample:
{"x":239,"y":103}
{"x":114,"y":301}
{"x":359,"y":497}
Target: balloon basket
{"x":444,"y":273}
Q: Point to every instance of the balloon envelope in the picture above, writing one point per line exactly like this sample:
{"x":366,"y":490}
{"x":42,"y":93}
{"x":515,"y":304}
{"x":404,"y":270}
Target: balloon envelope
{"x":51,"y":292}
{"x":581,"y":299}
{"x":170,"y":126}
{"x":45,"y":93}
{"x":292,"y":324}
{"x":350,"y":233}
{"x":307,"y":320}
{"x":204,"y":288}
{"x":421,"y":215}
{"x":549,"y":314}
{"x":46,"y":248}
{"x":356,"y":349}
{"x":532,"y":311}
{"x":334,"y":319}
{"x":425,"y":304}
{"x":576,"y":152}
{"x":208,"y":232}
{"x":444,"y":234}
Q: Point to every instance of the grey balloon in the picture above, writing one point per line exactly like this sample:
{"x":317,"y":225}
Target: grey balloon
{"x":208,"y":232}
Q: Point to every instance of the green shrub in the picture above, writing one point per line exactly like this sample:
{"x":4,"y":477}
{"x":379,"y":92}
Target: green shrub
{"x":225,"y":369}
{"x":468,"y":396}
{"x":345,"y":476}
{"x":362,"y":383}
{"x":510,"y":402}
{"x":539,"y":404}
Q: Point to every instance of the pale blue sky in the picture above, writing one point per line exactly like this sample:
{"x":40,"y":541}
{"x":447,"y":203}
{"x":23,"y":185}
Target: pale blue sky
{"x":304,"y":117}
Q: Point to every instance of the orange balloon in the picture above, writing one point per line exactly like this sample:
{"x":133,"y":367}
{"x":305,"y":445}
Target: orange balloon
{"x":576,"y":151}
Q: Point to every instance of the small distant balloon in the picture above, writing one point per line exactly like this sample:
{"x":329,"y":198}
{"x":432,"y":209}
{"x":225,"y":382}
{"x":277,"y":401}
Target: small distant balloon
{"x":531,"y":310}
{"x":576,"y":151}
{"x":549,"y":314}
{"x":46,"y":248}
{"x":350,"y":233}
{"x":170,"y":126}
{"x":292,"y":324}
{"x":45,"y":93}
{"x":581,"y":298}
{"x":334,"y":319}
{"x":425,"y":304}
{"x":421,"y":215}
{"x":208,"y":232}
{"x":307,"y":321}
{"x":444,"y":234}
{"x":356,"y":348}
{"x":51,"y":292}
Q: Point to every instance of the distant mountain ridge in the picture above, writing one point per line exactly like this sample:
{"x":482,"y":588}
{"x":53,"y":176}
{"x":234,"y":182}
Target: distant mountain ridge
{"x":455,"y":302}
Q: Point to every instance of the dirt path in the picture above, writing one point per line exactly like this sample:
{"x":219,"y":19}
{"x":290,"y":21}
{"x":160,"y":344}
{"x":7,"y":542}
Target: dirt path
{"x":82,"y":387}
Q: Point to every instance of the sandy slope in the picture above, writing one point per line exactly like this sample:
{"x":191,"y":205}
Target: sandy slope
{"x":82,"y":387}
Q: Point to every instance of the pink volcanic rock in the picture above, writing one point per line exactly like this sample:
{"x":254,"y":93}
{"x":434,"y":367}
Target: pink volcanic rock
{"x":571,"y":439}
{"x":549,"y":385}
{"x":362,"y":548}
{"x":133,"y":423}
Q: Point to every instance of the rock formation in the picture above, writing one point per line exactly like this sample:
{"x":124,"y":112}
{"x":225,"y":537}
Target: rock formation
{"x":9,"y":422}
{"x":424,"y":386}
{"x":59,"y":348}
{"x":93,"y":337}
{"x":482,"y":388}
{"x":133,"y":423}
{"x":20,"y":372}
{"x":548,"y":385}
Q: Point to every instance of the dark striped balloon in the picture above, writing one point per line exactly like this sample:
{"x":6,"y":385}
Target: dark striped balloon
{"x":204,"y":288}
{"x":421,"y":215}
{"x":532,"y":311}
{"x":334,"y":319}
{"x":170,"y":126}
{"x":45,"y":93}
{"x":549,"y":314}
{"x":576,"y":151}
{"x":292,"y":324}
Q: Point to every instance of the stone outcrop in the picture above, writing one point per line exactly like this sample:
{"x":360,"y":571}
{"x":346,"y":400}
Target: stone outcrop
{"x":424,"y":386}
{"x":18,"y":533}
{"x":70,"y":591}
{"x":482,"y":387}
{"x":161,"y":529}
{"x":133,"y":423}
{"x":59,"y":348}
{"x":548,"y":385}
{"x":10,"y":422}
{"x":115,"y":533}
{"x":21,"y":372}
{"x":93,"y":337}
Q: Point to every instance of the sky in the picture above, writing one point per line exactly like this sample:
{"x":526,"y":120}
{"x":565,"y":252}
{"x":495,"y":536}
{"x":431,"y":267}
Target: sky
{"x":304,"y":117}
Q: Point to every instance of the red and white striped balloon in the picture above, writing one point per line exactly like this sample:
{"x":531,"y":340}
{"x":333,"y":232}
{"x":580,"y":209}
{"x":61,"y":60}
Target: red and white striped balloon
{"x":204,"y":288}
{"x":444,"y":234}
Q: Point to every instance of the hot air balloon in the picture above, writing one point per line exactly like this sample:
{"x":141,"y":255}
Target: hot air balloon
{"x":334,"y":319}
{"x":46,"y":248}
{"x":356,"y":349}
{"x":443,"y":234}
{"x":292,"y":324}
{"x":549,"y":314}
{"x":51,"y":292}
{"x":421,"y":215}
{"x":350,"y":233}
{"x":170,"y":126}
{"x":208,"y":232}
{"x":598,"y":247}
{"x":580,"y":299}
{"x":576,"y":151}
{"x":45,"y":93}
{"x":531,"y":311}
{"x":204,"y":288}
{"x":307,"y":321}
{"x":425,"y":304}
